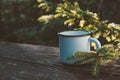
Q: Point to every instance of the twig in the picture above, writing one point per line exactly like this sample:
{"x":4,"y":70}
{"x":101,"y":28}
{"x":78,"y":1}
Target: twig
{"x":101,"y":2}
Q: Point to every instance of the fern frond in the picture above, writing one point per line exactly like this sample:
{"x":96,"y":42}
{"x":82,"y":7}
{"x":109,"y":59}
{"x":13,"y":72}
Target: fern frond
{"x":86,"y":60}
{"x":96,"y":67}
{"x":82,"y":57}
{"x":85,"y":53}
{"x":108,"y":56}
{"x":43,"y":4}
{"x":106,"y":53}
{"x":79,"y":55}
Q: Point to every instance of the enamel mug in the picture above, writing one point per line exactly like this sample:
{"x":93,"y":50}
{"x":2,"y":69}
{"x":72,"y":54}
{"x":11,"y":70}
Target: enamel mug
{"x":73,"y":41}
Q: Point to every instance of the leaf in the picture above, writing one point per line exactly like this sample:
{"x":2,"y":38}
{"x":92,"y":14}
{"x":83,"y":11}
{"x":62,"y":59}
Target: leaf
{"x":57,"y":15}
{"x":69,"y":21}
{"x":91,"y":53}
{"x":96,"y":67}
{"x":83,"y":57}
{"x":39,"y":1}
{"x":73,"y":12}
{"x":82,"y":22}
{"x":86,"y":60}
{"x":41,"y":5}
{"x":76,"y":5}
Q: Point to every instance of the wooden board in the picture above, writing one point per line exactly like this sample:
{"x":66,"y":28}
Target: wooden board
{"x":34,"y":62}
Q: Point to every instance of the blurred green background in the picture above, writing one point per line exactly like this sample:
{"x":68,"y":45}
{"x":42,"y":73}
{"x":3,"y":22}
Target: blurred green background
{"x":18,"y":20}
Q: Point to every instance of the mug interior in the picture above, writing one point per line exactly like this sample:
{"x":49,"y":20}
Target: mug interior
{"x":74,"y":33}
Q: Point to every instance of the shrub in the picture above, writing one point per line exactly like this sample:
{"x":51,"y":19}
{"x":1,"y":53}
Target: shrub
{"x":87,"y":20}
{"x":107,"y":54}
{"x":79,"y":19}
{"x":15,"y":16}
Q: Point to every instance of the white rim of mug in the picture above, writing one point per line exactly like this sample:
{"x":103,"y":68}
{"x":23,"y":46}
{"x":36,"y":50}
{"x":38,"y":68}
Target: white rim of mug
{"x":89,"y":33}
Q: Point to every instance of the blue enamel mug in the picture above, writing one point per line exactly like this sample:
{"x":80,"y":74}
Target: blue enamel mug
{"x":73,"y":41}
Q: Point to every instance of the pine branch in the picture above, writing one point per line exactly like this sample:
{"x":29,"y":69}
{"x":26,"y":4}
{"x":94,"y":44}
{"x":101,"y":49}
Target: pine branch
{"x":82,"y":57}
{"x":96,"y":67}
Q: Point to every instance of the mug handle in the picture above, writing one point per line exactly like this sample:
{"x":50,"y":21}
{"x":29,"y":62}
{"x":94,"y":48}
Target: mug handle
{"x":98,"y":44}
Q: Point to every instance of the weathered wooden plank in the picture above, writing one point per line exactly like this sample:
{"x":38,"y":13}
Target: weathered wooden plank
{"x":34,"y":62}
{"x":36,"y":53}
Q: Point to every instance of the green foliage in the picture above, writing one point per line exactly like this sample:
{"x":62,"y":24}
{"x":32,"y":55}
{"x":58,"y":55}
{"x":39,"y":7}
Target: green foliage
{"x":26,"y":34}
{"x":48,"y":5}
{"x":48,"y":21}
{"x":74,"y":14}
{"x":45,"y":20}
{"x":86,"y":20}
{"x":107,"y":52}
{"x":16,"y":19}
{"x":43,"y":4}
{"x":76,"y":18}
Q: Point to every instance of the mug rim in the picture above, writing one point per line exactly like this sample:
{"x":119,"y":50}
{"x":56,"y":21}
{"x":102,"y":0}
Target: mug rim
{"x":88,"y":33}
